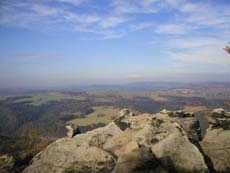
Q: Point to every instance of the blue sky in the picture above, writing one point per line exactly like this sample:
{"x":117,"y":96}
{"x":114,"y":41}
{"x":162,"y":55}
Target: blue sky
{"x":74,"y":42}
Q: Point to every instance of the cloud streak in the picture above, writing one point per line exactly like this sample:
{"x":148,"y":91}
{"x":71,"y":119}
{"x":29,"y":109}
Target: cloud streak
{"x":198,"y":51}
{"x":175,"y":29}
{"x":43,"y":16}
{"x":121,"y":16}
{"x":72,"y":2}
{"x":34,"y":55}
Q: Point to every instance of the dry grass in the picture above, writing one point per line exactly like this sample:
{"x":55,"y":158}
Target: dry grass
{"x":39,"y":99}
{"x":195,"y":108}
{"x":101,"y":114}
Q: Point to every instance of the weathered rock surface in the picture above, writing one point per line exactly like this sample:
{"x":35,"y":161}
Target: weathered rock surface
{"x":138,"y":160}
{"x":162,"y":143}
{"x":189,"y":123}
{"x":82,"y":153}
{"x":6,"y":163}
{"x":72,"y":130}
{"x":171,"y":146}
{"x":216,"y":143}
{"x":219,"y":118}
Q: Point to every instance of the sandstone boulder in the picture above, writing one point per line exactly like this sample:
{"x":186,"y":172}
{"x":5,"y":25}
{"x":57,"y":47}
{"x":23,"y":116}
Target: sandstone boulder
{"x":219,"y":118}
{"x":72,"y":130}
{"x":170,"y":145}
{"x":189,"y":123}
{"x":138,"y":160}
{"x":216,"y":142}
{"x":166,"y":137}
{"x":82,"y":153}
{"x":132,"y":122}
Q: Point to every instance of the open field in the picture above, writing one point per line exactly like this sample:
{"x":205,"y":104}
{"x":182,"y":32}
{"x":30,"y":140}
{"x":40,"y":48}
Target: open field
{"x":195,"y":108}
{"x":38,"y":99}
{"x":3,"y":97}
{"x":154,"y":95}
{"x":101,"y":114}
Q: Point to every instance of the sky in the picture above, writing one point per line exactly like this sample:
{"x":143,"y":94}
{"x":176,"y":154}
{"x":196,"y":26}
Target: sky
{"x":47,"y":43}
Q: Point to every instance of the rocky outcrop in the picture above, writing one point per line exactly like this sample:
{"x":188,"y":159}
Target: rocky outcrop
{"x":189,"y":123}
{"x":6,"y":163}
{"x":157,"y":143}
{"x":164,"y":142}
{"x":174,"y":150}
{"x":138,"y":160}
{"x":72,"y":130}
{"x":216,"y":143}
{"x":219,"y":118}
{"x":82,"y":153}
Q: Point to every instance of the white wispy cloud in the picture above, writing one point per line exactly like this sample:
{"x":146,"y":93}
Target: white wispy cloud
{"x":176,"y":29}
{"x":121,"y":17}
{"x":141,"y":26}
{"x":85,"y":19}
{"x":190,"y":16}
{"x":144,"y":6}
{"x":73,"y":2}
{"x":193,"y":43}
{"x":199,"y":51}
{"x":43,"y":10}
{"x":189,"y":51}
{"x":202,"y":31}
{"x":103,"y":34}
{"x":30,"y":55}
{"x":208,"y":55}
{"x":111,"y":21}
{"x":43,"y":16}
{"x":136,"y":6}
{"x":28,"y":15}
{"x":205,"y":14}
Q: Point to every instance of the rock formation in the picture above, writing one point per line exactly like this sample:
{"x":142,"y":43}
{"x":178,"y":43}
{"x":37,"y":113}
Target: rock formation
{"x":72,"y":130}
{"x":165,"y":142}
{"x":82,"y":153}
{"x":216,"y":143}
{"x":6,"y":163}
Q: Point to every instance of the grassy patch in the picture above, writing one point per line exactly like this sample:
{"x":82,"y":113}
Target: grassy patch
{"x":158,"y":97}
{"x":195,"y":108}
{"x":3,"y":97}
{"x":39,"y":99}
{"x":101,"y":114}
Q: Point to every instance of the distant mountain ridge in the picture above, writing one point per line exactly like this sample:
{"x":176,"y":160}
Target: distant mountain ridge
{"x":134,"y":86}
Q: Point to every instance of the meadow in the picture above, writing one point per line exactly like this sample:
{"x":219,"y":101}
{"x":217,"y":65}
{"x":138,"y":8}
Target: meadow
{"x":42,"y":98}
{"x":100,"y":114}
